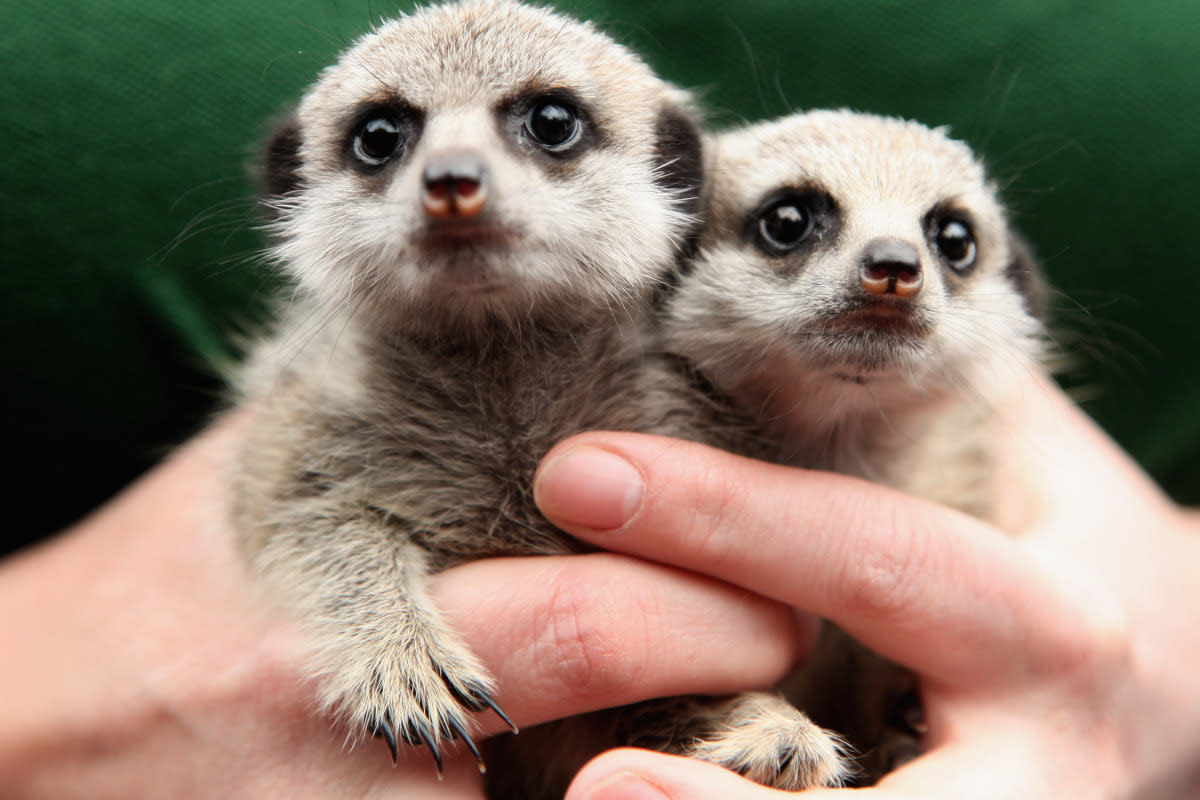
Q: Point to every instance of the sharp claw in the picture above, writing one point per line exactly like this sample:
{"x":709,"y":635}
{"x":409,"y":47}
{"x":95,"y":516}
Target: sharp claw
{"x":487,"y":700}
{"x":383,"y":728}
{"x":473,"y":697}
{"x":462,"y":734}
{"x":433,"y":748}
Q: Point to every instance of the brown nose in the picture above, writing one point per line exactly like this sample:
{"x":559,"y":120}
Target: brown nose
{"x":454,"y":185}
{"x":891,"y":266}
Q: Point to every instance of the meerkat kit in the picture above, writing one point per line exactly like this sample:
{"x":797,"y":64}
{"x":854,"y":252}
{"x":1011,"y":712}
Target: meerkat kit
{"x":478,"y":203}
{"x":503,"y":229}
{"x":859,"y":291}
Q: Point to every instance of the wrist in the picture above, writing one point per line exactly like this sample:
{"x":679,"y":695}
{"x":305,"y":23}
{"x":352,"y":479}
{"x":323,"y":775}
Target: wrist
{"x":65,"y":700}
{"x":132,"y":635}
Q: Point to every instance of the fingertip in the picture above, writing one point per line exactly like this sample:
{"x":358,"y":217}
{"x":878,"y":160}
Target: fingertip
{"x":624,"y":786}
{"x":584,"y":486}
{"x":623,"y":774}
{"x":630,"y":774}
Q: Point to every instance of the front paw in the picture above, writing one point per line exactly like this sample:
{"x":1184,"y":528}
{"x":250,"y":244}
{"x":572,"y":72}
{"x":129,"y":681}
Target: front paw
{"x":764,"y":738}
{"x":418,"y":695}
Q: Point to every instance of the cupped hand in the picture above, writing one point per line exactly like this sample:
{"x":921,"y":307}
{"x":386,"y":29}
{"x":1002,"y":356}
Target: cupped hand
{"x":1056,"y":654}
{"x":137,"y":661}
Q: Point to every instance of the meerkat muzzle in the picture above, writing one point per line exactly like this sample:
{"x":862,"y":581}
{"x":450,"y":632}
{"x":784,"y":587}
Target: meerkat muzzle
{"x":454,"y":185}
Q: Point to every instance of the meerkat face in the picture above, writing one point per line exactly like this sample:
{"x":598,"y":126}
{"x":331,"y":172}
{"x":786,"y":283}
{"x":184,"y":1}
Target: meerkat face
{"x":852,"y":249}
{"x":480,"y":160}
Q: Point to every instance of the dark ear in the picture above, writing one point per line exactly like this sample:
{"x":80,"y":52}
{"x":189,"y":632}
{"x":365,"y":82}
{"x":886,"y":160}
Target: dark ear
{"x":279,"y":171}
{"x":1025,"y":274}
{"x":679,"y":155}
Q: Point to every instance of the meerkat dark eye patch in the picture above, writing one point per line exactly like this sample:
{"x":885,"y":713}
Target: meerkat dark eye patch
{"x":552,"y":123}
{"x":381,"y":133}
{"x":786,"y":225}
{"x":788,"y":220}
{"x":955,"y":242}
{"x":377,"y":140}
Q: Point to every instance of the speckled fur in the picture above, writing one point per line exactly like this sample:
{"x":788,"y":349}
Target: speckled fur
{"x":409,"y":390}
{"x":776,"y":333}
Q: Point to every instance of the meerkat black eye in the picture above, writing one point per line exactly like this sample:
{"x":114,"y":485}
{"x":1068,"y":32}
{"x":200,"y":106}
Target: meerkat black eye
{"x":785,"y":225}
{"x":552,"y":124}
{"x":956,"y":244}
{"x":377,"y":140}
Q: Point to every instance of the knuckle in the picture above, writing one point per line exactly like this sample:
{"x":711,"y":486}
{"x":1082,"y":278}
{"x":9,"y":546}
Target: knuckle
{"x":712,"y":516}
{"x":587,"y":651}
{"x":1083,"y":630}
{"x":1091,"y":645}
{"x":883,"y":582}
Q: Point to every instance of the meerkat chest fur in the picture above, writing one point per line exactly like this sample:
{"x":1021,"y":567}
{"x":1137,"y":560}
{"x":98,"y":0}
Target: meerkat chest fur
{"x":822,"y":419}
{"x":443,"y":439}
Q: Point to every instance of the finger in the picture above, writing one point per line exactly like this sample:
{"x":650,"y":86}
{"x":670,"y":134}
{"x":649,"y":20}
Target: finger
{"x":925,"y":586}
{"x":573,"y":634}
{"x":629,"y":774}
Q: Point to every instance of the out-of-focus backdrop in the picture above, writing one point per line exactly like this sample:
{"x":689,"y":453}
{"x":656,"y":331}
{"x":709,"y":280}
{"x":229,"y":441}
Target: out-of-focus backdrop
{"x":127,"y":230}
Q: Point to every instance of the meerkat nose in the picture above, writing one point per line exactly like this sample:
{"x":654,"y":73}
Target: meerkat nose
{"x":891,"y":267}
{"x":454,"y":184}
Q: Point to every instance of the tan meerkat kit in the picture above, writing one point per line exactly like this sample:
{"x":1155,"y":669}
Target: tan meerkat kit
{"x":859,"y":291}
{"x":478,"y":204}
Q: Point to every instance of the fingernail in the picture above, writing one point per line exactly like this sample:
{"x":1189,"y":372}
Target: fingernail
{"x":589,"y":488}
{"x":625,"y":786}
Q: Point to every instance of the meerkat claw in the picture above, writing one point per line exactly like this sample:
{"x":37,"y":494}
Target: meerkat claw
{"x":383,"y":728}
{"x":431,"y":743}
{"x":477,"y":699}
{"x":500,"y":713}
{"x":461,"y":733}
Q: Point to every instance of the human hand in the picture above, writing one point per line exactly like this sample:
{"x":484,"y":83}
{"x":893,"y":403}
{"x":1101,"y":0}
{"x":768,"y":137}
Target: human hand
{"x":1056,"y":658}
{"x":136,"y":661}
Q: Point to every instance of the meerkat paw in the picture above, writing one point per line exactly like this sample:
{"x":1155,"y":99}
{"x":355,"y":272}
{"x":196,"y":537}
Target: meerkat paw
{"x":764,"y":738}
{"x":422,"y":693}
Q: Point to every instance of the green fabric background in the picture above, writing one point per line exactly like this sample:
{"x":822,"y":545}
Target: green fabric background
{"x":128,"y":242}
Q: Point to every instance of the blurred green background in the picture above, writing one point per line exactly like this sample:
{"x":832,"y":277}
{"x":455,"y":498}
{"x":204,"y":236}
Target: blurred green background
{"x":128,"y":234}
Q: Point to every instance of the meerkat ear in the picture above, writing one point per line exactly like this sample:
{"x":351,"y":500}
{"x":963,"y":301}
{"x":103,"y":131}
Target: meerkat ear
{"x":1026,"y":275}
{"x":680,"y":160}
{"x":279,"y":165}
{"x":679,"y":157}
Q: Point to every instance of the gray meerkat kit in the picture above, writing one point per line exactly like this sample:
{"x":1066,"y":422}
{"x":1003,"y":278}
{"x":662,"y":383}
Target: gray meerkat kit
{"x":859,"y":291}
{"x":478,"y":204}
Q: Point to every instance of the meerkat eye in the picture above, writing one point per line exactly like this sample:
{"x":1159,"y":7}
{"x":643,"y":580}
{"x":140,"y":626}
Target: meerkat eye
{"x":552,"y":124}
{"x":956,"y":244}
{"x":785,"y":225}
{"x":377,"y":140}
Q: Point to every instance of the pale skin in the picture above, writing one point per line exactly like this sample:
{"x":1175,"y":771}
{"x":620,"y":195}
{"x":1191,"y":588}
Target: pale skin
{"x":1057,"y":657}
{"x":1056,"y":660}
{"x":136,"y":661}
